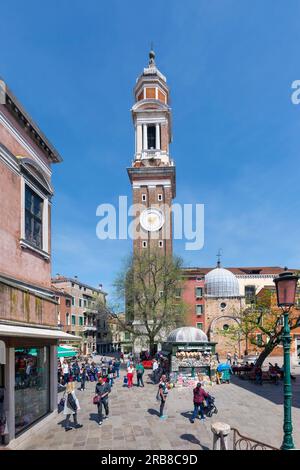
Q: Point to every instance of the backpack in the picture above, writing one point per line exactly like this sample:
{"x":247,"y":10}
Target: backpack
{"x":71,"y":402}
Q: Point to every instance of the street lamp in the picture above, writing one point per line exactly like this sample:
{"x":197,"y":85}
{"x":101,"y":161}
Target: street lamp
{"x":286,"y":285}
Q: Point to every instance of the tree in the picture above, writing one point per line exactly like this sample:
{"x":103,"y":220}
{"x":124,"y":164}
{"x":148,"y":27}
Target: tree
{"x":262,"y":324}
{"x":149,"y":284}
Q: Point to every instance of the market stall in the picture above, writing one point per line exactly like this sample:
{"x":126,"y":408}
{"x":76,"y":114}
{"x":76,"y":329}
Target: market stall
{"x":191,"y":357}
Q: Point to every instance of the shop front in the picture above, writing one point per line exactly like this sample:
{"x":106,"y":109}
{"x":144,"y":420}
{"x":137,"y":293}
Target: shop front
{"x":28,"y":377}
{"x":191,"y":356}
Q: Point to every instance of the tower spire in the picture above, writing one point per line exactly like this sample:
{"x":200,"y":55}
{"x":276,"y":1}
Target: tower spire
{"x":219,"y":254}
{"x":151,"y":56}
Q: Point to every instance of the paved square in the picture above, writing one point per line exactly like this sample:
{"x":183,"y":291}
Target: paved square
{"x":256,"y":411}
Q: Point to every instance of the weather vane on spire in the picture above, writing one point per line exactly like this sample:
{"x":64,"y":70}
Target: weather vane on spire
{"x":219,"y":254}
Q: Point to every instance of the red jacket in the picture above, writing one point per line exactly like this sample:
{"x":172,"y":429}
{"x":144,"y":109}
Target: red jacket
{"x":199,"y":395}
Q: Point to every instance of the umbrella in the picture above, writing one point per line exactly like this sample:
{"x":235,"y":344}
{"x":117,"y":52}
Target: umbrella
{"x":222,"y":367}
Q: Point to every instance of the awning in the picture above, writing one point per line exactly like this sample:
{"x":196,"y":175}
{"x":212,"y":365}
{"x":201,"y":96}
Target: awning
{"x":29,"y":332}
{"x":64,"y":351}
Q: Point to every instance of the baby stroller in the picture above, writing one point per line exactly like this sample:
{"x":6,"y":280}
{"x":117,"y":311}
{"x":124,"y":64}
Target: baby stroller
{"x":210,"y":408}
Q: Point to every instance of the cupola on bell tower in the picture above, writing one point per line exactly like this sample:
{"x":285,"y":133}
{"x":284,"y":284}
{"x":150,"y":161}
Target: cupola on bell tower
{"x":152,"y":173}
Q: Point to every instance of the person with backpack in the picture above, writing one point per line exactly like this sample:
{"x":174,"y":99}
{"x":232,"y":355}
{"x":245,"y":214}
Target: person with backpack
{"x":139,"y":374}
{"x":199,"y":398}
{"x":71,"y":406}
{"x":162,"y":395}
{"x":102,"y":391}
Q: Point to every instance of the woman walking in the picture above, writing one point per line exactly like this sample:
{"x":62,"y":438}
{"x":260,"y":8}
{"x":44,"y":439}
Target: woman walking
{"x":130,"y":372}
{"x":71,"y":406}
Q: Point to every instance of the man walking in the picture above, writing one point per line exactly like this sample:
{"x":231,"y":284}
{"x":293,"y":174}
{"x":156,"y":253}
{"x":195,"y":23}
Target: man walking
{"x":102,"y":391}
{"x":139,"y":374}
{"x":162,"y":395}
{"x":199,"y":396}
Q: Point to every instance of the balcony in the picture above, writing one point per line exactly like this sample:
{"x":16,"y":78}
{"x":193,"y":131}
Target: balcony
{"x":89,"y":328}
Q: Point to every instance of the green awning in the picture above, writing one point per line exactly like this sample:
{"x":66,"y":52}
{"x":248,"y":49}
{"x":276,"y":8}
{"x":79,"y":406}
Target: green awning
{"x":66,"y":352}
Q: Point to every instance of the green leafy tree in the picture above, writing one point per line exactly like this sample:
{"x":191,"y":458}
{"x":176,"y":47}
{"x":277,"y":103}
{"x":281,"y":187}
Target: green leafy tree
{"x":261,"y":325}
{"x":148,"y":284}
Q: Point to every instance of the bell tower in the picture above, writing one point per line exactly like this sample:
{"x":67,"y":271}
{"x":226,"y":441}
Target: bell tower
{"x":152,"y":173}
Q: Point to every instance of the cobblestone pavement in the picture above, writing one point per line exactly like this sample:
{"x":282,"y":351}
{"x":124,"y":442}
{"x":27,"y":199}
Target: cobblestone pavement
{"x":256,"y":411}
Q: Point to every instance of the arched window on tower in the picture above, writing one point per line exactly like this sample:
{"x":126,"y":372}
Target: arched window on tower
{"x":151,"y":135}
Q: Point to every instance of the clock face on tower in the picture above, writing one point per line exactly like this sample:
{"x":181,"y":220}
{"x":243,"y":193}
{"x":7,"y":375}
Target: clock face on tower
{"x":152,"y":219}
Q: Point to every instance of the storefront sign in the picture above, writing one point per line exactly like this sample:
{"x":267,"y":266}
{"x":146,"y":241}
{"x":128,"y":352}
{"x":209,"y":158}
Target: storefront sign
{"x":194,"y":348}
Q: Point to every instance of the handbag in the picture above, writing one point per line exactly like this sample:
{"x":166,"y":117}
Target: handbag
{"x":96,"y":399}
{"x":71,"y":402}
{"x":61,"y":405}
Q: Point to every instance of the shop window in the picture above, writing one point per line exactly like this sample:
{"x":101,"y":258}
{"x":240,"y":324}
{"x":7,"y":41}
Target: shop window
{"x":32,"y":388}
{"x":33,"y":218}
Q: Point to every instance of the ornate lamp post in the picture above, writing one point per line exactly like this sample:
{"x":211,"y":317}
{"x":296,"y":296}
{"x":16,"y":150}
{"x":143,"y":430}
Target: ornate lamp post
{"x":286,"y":284}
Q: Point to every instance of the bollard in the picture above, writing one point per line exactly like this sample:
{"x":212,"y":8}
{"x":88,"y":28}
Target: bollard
{"x":220,"y":432}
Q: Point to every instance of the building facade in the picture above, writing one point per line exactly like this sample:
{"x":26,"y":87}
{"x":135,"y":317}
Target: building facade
{"x":223,"y":294}
{"x":28,"y":309}
{"x":81,"y":317}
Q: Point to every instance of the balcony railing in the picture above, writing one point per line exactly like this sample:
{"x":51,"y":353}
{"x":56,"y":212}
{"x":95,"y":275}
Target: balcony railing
{"x":89,"y":328}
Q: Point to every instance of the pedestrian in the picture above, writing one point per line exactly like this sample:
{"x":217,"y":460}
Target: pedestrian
{"x":110,"y":373}
{"x":139,"y":374}
{"x":83,"y":375}
{"x":226,"y":375}
{"x":117,"y":366}
{"x":228,"y":358}
{"x":235,"y":358}
{"x":199,"y":402}
{"x":162,"y":395}
{"x":102,"y":391}
{"x":130,"y":373}
{"x":71,"y":406}
{"x":65,"y":371}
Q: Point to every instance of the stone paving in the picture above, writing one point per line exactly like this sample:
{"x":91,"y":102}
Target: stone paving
{"x":256,"y":411}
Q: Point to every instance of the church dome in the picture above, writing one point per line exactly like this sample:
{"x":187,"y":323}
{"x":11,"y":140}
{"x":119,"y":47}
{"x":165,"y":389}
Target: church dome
{"x":221,"y":283}
{"x":187,"y":334}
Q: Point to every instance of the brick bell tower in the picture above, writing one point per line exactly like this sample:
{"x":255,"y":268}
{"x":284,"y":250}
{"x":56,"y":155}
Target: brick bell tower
{"x":152,"y":174}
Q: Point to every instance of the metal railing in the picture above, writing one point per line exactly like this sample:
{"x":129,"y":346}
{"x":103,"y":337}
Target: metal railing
{"x":241,"y":442}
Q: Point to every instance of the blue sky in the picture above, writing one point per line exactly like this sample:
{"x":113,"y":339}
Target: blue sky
{"x":230,"y":66}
